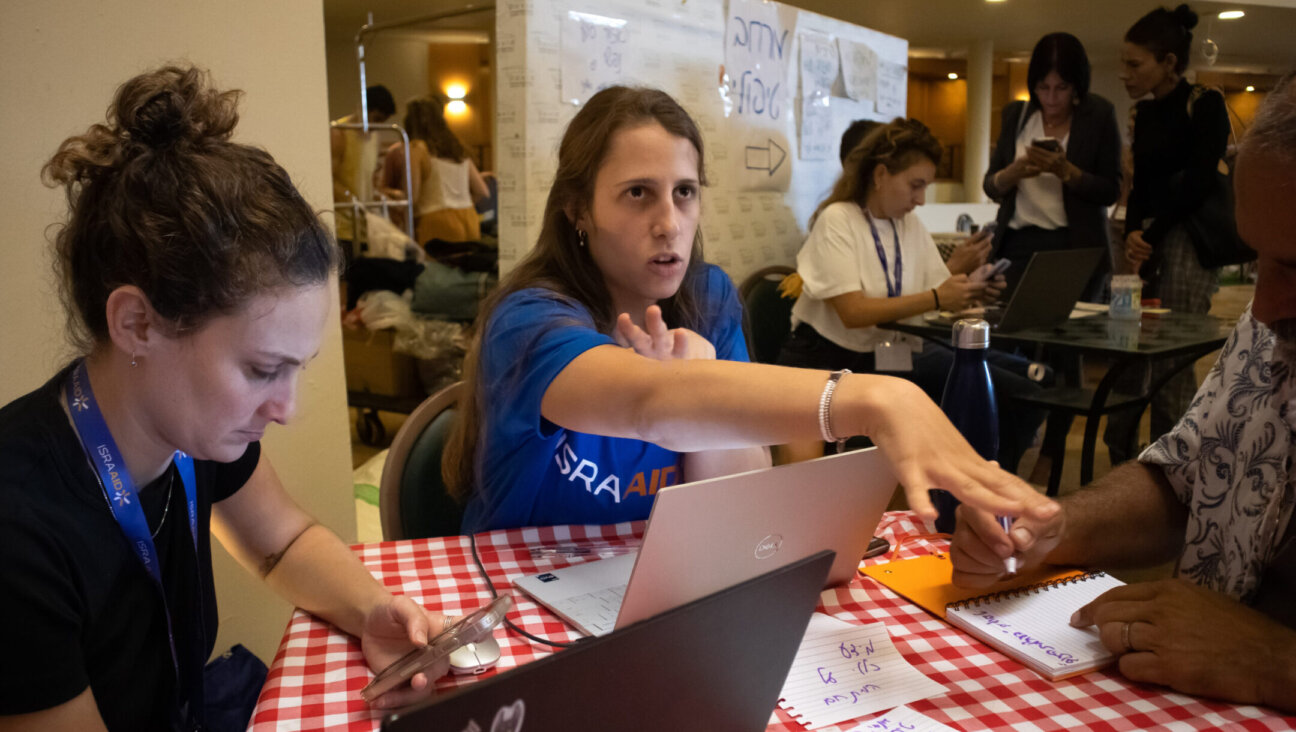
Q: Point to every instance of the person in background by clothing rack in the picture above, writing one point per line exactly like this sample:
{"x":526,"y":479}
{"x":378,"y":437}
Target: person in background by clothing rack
{"x":446,"y":183}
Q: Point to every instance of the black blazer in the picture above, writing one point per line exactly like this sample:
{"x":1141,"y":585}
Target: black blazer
{"x":1094,"y":146}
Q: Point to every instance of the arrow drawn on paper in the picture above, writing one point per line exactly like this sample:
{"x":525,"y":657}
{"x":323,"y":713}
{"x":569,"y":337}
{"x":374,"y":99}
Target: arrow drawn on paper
{"x":767,"y":158}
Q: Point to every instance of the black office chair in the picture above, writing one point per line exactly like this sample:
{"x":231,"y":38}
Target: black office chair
{"x":413,"y":501}
{"x":767,"y":315}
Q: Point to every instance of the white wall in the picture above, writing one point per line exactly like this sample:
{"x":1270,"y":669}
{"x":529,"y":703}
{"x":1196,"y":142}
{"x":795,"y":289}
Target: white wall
{"x":59,"y":65}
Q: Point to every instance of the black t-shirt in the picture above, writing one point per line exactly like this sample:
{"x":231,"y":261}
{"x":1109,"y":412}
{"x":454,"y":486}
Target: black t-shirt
{"x":77,"y":608}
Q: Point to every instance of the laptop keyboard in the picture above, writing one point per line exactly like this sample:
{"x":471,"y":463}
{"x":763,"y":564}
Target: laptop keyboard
{"x":596,"y":611}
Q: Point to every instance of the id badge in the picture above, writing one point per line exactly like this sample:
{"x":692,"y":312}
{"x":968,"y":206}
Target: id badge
{"x":893,"y":355}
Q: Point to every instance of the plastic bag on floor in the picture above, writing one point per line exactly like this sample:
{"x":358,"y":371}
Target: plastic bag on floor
{"x":381,"y":309}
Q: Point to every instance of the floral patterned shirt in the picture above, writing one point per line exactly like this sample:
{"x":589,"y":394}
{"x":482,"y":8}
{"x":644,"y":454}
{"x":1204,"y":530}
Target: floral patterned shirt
{"x":1230,"y":461}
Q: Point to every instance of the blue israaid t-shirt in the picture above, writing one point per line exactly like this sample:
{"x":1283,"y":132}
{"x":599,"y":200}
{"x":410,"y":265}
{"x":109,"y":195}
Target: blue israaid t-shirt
{"x":535,"y":473}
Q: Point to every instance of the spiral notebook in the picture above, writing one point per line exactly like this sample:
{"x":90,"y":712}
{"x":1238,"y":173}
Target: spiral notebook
{"x":1031,"y":624}
{"x":1027,"y":618}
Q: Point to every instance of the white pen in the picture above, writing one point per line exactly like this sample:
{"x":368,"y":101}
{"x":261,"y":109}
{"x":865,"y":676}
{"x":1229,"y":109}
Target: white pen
{"x":1010,"y":562}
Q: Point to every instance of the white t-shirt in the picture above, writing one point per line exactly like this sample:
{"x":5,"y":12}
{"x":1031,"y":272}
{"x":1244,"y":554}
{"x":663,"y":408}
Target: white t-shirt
{"x":1039,"y":199}
{"x":446,"y":186}
{"x":839,"y":257}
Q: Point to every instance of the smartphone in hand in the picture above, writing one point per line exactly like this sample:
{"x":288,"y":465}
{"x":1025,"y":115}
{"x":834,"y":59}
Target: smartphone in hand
{"x":1047,"y":143}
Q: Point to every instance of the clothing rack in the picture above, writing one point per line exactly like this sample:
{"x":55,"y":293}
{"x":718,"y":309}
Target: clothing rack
{"x":370,"y":29}
{"x":383,"y":201}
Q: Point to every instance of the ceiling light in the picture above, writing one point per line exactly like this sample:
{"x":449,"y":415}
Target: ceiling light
{"x":1250,"y":88}
{"x":1231,"y":14}
{"x":953,"y":76}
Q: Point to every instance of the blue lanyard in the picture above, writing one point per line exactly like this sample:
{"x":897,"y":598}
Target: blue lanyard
{"x":119,"y":488}
{"x":893,"y":290}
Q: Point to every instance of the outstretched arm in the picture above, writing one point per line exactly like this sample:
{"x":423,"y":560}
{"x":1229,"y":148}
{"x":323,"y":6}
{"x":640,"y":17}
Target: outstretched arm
{"x":691,"y":405}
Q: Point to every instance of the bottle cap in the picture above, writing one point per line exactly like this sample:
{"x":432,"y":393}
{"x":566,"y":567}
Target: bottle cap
{"x":971,"y":333}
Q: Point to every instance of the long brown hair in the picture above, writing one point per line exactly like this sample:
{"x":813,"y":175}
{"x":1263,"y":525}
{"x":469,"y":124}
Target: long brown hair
{"x":160,"y":198}
{"x":559,"y":263}
{"x":897,"y":145}
{"x":425,"y":120}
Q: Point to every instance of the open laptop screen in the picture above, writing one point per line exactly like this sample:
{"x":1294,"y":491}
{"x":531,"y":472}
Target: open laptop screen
{"x":715,"y":663}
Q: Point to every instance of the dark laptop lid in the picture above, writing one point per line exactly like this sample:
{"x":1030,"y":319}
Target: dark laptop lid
{"x":1049,"y":288}
{"x":715,"y":663}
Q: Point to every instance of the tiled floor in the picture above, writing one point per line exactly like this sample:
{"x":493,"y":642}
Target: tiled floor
{"x":1229,"y":302}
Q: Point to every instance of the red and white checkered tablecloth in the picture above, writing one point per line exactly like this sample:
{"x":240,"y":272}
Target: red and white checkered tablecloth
{"x":315,"y":680}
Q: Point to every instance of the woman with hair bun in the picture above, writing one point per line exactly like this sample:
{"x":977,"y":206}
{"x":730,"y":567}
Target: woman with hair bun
{"x":1180,"y":134}
{"x":869,"y":260}
{"x":198,"y":283}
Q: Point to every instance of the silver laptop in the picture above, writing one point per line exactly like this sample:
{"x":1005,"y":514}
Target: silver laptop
{"x":714,"y":533}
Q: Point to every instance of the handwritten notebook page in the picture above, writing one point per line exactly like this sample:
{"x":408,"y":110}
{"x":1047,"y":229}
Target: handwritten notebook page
{"x":844,"y":673}
{"x":1033,"y":625}
{"x":903,"y":719}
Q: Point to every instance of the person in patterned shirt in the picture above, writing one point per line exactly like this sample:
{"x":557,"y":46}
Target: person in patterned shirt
{"x":1215,"y":494}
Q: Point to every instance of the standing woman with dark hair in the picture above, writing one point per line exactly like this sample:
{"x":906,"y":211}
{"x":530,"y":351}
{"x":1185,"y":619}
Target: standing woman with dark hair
{"x":446,"y":183}
{"x":1056,"y":166}
{"x":608,"y":362}
{"x":198,"y":284}
{"x":1180,"y":135}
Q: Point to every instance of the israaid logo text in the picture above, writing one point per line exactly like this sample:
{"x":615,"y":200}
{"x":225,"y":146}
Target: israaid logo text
{"x":576,"y":468}
{"x":119,"y":491}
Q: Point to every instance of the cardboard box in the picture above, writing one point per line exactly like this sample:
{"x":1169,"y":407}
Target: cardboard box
{"x":372,"y":366}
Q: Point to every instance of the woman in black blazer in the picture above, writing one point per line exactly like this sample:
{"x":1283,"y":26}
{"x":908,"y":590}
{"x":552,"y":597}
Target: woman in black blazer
{"x":1056,"y":166}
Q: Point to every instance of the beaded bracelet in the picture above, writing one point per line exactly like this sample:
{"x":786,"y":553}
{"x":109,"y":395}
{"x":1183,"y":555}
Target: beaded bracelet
{"x":825,"y":408}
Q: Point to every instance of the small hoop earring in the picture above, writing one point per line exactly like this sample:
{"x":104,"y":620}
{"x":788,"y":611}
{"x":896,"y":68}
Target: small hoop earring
{"x":582,"y":237}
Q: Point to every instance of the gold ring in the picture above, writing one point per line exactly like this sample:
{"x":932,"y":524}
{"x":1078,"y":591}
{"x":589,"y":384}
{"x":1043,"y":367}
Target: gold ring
{"x":1125,"y":639}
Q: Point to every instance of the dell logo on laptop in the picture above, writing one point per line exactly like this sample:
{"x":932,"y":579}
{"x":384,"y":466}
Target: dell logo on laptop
{"x":769,"y":546}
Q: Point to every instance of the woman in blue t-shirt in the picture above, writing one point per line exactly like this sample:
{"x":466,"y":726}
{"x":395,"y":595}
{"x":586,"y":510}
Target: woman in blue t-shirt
{"x":610,"y":362}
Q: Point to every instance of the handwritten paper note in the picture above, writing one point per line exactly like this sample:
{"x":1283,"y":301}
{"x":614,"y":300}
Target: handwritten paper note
{"x":758,"y":56}
{"x":593,"y":54}
{"x":844,"y":673}
{"x":818,"y":63}
{"x":891,"y":88}
{"x":903,"y":719}
{"x":817,"y":140}
{"x":859,"y":70}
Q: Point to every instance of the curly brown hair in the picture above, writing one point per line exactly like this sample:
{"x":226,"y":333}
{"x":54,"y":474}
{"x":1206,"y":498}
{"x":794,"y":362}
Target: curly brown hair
{"x":896,"y":145}
{"x":160,"y":198}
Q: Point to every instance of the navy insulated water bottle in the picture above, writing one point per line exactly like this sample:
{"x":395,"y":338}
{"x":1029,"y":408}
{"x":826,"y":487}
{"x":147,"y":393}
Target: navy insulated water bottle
{"x":969,"y":402}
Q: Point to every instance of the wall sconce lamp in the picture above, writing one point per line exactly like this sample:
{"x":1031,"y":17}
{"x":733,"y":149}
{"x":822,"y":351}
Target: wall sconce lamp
{"x":456,"y":105}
